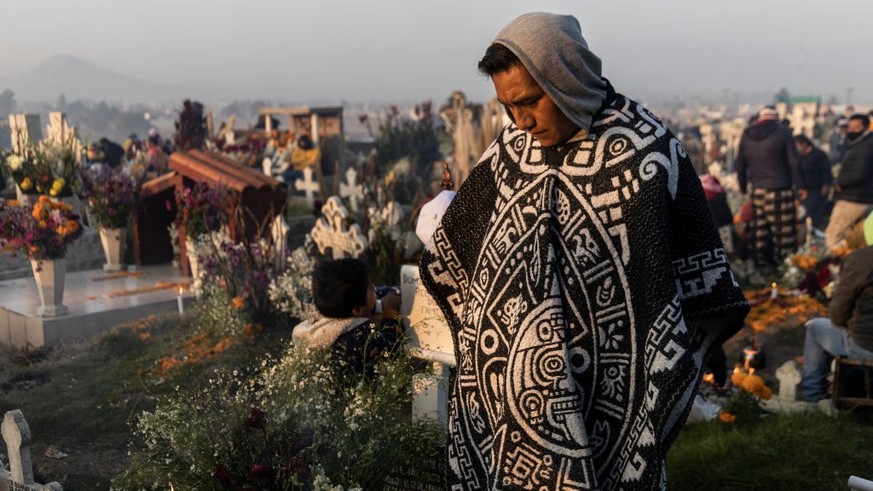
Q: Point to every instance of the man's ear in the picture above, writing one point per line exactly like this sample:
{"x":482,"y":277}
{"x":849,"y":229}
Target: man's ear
{"x":361,"y":311}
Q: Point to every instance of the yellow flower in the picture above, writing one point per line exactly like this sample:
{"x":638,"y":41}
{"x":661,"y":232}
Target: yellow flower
{"x":26,"y":184}
{"x":726,"y":417}
{"x":54,"y":192}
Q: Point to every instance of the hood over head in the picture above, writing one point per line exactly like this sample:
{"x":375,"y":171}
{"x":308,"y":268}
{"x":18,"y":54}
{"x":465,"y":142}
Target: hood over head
{"x":552,"y":49}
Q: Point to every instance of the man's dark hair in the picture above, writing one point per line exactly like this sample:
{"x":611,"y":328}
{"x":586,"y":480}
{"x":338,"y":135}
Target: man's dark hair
{"x":498,"y":58}
{"x":339,"y":286}
{"x":803,"y":140}
{"x":863,"y":118}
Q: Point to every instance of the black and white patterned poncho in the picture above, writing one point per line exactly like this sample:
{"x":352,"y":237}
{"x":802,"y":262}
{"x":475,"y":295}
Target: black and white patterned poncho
{"x":583,"y":286}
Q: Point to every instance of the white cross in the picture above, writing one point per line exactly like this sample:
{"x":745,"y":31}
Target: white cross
{"x":351,"y":190}
{"x":387,"y":218}
{"x":331,"y":231}
{"x":308,"y":185}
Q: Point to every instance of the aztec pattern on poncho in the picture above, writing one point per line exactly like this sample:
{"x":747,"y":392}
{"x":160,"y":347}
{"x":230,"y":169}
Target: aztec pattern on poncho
{"x":583,"y":286}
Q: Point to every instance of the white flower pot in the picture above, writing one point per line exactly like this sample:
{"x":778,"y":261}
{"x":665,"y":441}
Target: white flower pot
{"x":113,"y":248}
{"x":49,"y":275}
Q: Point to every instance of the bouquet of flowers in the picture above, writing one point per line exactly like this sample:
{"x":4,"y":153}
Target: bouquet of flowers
{"x":111,"y":194}
{"x":48,"y":168}
{"x":42,"y":231}
{"x":201,"y":209}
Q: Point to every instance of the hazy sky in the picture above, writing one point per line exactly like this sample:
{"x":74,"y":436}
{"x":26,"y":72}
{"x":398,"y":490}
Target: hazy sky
{"x":361,"y":50}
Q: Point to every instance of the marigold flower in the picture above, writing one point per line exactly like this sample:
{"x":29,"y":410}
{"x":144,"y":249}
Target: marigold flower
{"x":753,"y":383}
{"x":726,"y":417}
{"x":237,"y":302}
{"x":737,"y":378}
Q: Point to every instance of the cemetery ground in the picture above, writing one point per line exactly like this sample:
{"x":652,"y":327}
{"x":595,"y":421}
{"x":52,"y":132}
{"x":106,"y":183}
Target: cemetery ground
{"x":82,"y":400}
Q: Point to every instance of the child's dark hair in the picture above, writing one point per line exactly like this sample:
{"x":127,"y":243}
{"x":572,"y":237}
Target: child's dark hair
{"x":339,"y":286}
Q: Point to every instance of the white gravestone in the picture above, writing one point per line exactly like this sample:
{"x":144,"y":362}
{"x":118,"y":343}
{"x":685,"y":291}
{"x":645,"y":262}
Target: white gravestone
{"x":352,"y":190}
{"x":332,"y":232}
{"x":430,"y":339}
{"x":25,"y":128}
{"x":308,"y":185}
{"x":789,"y":376}
{"x":16,"y":435}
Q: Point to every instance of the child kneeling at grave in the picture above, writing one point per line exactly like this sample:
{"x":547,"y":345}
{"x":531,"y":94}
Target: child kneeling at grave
{"x":346,"y":301}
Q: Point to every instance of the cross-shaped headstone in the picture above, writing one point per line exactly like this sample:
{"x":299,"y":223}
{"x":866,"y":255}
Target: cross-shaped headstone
{"x":332,"y":232}
{"x":308,"y":185}
{"x":16,"y":434}
{"x":352,"y":190}
{"x":387,"y":218}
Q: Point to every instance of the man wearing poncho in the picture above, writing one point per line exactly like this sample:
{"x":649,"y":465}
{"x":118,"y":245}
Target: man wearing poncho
{"x":582,"y":277}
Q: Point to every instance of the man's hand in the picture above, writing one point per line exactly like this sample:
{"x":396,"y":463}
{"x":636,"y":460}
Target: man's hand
{"x":802,"y":194}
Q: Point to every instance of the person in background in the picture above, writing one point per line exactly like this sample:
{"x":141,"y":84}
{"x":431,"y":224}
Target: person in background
{"x":768,"y":169}
{"x":346,"y":300}
{"x":854,"y":184}
{"x":156,"y":159}
{"x":848,"y":331}
{"x":837,"y":142}
{"x":817,"y":176}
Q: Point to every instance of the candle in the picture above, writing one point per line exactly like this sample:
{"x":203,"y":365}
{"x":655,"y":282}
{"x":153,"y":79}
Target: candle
{"x":179,"y":301}
{"x":774,"y":292}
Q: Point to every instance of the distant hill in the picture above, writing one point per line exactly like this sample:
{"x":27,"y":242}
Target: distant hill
{"x":80,"y":79}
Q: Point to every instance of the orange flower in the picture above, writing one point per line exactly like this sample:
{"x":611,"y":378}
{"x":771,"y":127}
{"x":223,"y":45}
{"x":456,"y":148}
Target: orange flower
{"x":737,"y":378}
{"x":238,"y":302}
{"x":222,"y":345}
{"x":726,"y":417}
{"x":145,"y":336}
{"x":753,"y":383}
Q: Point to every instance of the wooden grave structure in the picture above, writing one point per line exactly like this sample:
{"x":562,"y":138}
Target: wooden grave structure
{"x":253,"y":196}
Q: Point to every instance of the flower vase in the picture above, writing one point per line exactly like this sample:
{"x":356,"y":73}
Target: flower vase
{"x":24,"y":198}
{"x":113,"y":248}
{"x":191,"y":253}
{"x":49,"y":275}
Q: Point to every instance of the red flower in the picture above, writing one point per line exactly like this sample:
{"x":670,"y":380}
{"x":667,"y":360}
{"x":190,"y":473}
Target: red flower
{"x":261,"y":471}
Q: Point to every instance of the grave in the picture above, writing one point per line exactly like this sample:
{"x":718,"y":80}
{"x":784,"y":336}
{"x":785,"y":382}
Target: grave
{"x":97,"y":302}
{"x":257,"y":197}
{"x":430,"y":339}
{"x":309,"y":186}
{"x":17,"y":436}
{"x":333,"y":235}
{"x":352,"y":190}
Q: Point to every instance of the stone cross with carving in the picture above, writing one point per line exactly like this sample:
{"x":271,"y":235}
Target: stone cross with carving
{"x":352,"y":190}
{"x":16,"y":434}
{"x":332,"y":232}
{"x":308,"y":185}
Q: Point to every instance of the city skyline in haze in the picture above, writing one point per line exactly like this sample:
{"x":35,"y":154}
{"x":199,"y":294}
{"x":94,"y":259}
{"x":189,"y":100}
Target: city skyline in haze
{"x":335,"y":50}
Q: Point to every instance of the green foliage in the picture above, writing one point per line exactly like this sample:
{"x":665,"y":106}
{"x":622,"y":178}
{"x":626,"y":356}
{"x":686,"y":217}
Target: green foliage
{"x":783,"y":452}
{"x":293,"y":423}
{"x":401,"y":137}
